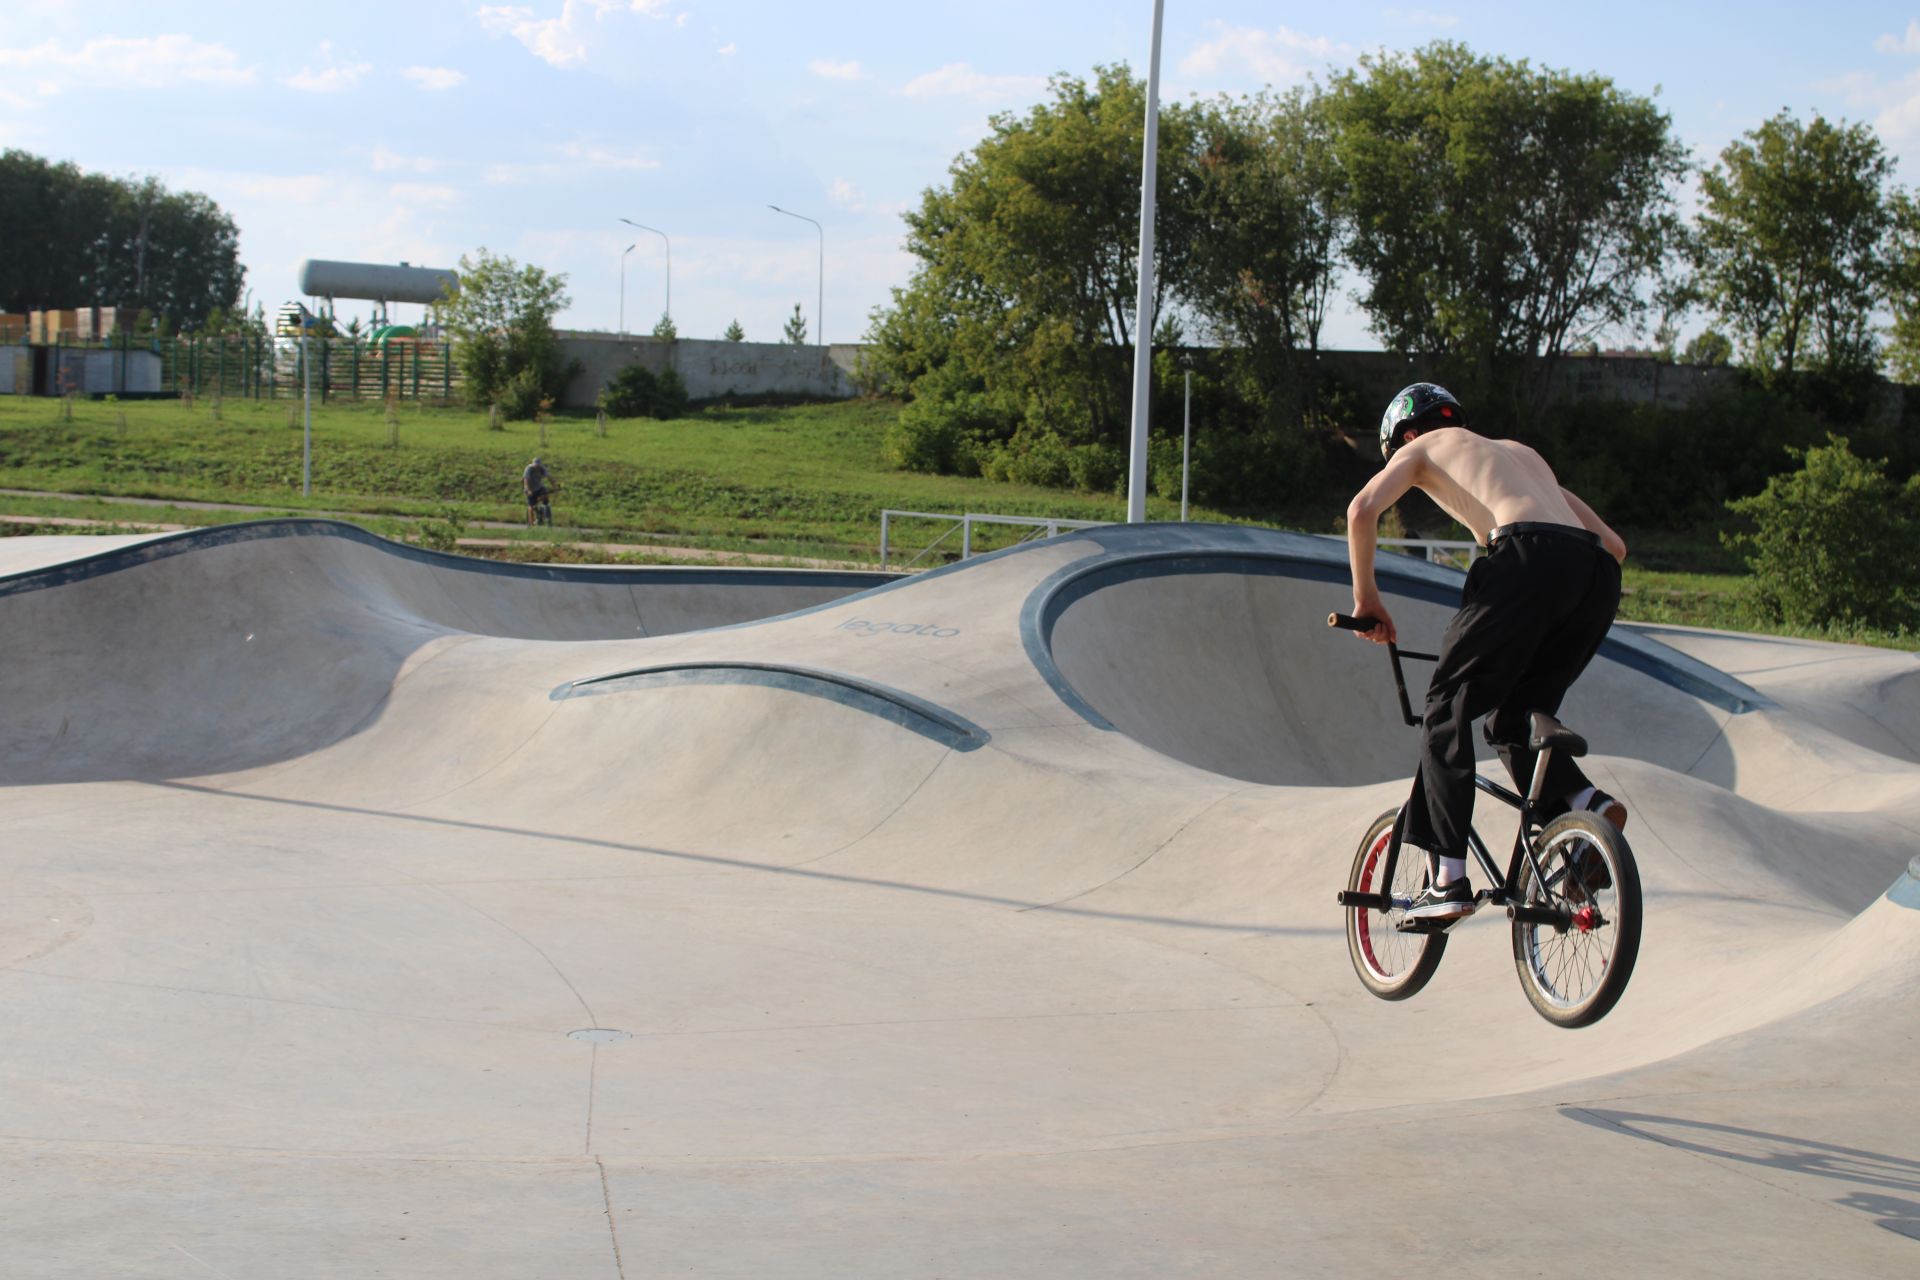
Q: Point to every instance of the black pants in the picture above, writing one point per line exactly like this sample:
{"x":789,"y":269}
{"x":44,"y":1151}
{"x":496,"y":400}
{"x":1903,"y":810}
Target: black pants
{"x":1531,"y":618}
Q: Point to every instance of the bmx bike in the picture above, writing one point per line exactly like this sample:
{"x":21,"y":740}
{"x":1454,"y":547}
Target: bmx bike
{"x":540,"y":509}
{"x":1571,"y":890}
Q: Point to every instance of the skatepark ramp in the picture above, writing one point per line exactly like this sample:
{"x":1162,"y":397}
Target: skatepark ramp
{"x":514,"y":920}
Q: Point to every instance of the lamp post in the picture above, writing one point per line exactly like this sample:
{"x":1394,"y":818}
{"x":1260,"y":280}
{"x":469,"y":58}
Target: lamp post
{"x":819,"y":306}
{"x":623,"y":289}
{"x":663,"y":235}
{"x":1143,"y":300}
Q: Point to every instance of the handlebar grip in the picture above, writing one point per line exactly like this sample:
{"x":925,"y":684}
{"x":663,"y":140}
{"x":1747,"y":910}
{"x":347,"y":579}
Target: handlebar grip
{"x":1347,"y":622}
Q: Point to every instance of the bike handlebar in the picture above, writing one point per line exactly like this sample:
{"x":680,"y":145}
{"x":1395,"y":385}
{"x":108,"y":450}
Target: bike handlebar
{"x":1348,"y":622}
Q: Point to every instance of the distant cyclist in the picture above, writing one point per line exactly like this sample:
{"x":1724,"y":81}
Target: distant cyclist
{"x":537,"y":483}
{"x":1531,"y":617}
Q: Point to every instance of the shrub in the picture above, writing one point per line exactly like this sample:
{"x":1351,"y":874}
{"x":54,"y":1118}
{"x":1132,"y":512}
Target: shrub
{"x":946,"y":435}
{"x":1044,"y":461}
{"x":638,"y":392}
{"x":1097,"y":468}
{"x":1833,"y":543}
{"x":520,"y":396}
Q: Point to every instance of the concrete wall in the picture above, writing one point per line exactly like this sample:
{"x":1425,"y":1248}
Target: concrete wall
{"x":711,"y":369}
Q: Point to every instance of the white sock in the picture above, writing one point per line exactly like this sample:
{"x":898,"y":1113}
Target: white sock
{"x":1451,"y":869}
{"x":1581,"y":798}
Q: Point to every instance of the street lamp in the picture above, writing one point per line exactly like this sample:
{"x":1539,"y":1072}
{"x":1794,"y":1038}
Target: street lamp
{"x":819,"y":306}
{"x":623,"y":288}
{"x":1143,"y":300}
{"x":663,"y":235}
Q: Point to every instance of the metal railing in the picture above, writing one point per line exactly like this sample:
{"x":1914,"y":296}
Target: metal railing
{"x":1459,"y":554}
{"x":965,"y":524}
{"x":1439,"y":550}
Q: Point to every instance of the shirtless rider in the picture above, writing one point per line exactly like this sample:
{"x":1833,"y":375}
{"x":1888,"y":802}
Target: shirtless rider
{"x":1532,"y":615}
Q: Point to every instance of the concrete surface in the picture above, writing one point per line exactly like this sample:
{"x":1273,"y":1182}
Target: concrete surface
{"x":365,"y":911}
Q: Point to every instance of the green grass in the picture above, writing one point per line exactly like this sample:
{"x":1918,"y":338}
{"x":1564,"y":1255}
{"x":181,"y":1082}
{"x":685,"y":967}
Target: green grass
{"x":798,"y":482}
{"x":808,"y":480}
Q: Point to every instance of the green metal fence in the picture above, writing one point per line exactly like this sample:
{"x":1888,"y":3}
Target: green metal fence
{"x":263,"y":367}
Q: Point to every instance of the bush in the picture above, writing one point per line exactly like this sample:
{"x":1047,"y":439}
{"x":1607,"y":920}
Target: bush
{"x":1833,"y":543}
{"x":638,"y":392}
{"x":944,"y":435}
{"x":1045,"y":460}
{"x":520,"y":396}
{"x":1097,"y":468}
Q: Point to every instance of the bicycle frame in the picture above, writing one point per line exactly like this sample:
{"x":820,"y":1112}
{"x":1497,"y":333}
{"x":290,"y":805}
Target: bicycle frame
{"x":1499,"y":890}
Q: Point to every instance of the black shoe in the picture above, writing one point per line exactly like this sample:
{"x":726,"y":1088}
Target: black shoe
{"x":1586,"y":871}
{"x":1609,"y":808}
{"x":1450,"y":903}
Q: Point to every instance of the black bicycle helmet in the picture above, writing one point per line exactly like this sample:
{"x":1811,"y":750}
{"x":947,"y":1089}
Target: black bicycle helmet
{"x":1425,"y":403}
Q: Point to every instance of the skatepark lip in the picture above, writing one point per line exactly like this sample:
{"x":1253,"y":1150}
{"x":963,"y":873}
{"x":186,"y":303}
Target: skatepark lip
{"x":1134,"y":553}
{"x":165,"y":546}
{"x":904,"y":709}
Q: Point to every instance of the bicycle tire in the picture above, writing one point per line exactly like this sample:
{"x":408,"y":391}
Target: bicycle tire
{"x":1574,"y":977}
{"x":1392,"y":965}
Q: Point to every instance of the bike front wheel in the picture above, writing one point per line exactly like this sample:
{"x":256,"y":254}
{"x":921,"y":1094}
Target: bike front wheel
{"x":1575,"y":968}
{"x":1391,"y":964}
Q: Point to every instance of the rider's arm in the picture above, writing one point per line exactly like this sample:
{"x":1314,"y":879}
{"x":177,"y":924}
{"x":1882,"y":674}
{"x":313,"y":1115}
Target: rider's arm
{"x":1615,"y":545}
{"x":1363,"y":531}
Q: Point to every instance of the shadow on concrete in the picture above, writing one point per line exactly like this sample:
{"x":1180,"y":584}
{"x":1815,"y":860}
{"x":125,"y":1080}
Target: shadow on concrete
{"x":1781,"y":1153}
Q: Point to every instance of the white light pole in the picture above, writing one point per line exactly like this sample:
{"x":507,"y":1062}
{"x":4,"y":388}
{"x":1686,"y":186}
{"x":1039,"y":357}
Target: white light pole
{"x":623,"y":289}
{"x":663,"y":235}
{"x":819,"y":306}
{"x":1143,"y":301}
{"x":306,"y":370}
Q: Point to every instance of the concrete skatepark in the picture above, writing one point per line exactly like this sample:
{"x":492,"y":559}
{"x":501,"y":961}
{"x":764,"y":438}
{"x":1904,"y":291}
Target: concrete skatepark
{"x":373,"y":912}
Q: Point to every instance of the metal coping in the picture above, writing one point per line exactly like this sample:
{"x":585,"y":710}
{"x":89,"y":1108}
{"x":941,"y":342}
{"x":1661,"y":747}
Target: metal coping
{"x":173,"y":544}
{"x":893,"y":705}
{"x":1174,"y":550}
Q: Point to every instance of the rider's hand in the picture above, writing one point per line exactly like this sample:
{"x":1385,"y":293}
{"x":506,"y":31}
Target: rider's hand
{"x":1372,"y":607}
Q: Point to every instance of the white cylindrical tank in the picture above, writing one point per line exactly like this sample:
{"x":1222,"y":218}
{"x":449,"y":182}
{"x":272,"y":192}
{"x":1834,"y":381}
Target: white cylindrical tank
{"x":373,"y":281}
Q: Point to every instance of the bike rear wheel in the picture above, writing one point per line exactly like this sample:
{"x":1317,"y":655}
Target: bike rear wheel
{"x":1391,"y":964}
{"x":1575,"y":974}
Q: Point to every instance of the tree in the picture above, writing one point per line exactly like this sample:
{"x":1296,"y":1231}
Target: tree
{"x":795,"y":331}
{"x":665,"y":330}
{"x":1708,"y":347}
{"x":1903,"y":287}
{"x":1266,"y":227}
{"x":500,"y":316}
{"x":1024,"y":287}
{"x":734,"y":333}
{"x":1788,"y":249}
{"x":80,"y":239}
{"x":1500,"y":211}
{"x":1833,"y":542}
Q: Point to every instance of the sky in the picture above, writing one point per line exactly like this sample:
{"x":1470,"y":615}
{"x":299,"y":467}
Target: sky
{"x":419,"y":130}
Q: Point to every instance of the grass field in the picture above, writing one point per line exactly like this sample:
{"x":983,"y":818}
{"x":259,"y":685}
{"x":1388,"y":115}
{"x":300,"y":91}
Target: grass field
{"x":804,"y":482}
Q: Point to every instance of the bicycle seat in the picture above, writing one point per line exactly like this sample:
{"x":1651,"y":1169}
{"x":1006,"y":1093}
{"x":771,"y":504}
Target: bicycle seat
{"x":1550,"y":735}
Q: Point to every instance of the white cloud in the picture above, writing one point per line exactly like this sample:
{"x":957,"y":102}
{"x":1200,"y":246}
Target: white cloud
{"x":1422,"y":18}
{"x":561,"y":41}
{"x":846,"y":195}
{"x":577,"y":156}
{"x":836,"y":70}
{"x":598,"y":157}
{"x":435,"y":79}
{"x":1908,"y":43}
{"x":424,"y":193}
{"x":1276,"y":56}
{"x":960,"y":80}
{"x":333,"y":79}
{"x":386,"y":160}
{"x":113,"y":62}
{"x":728,"y":50}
